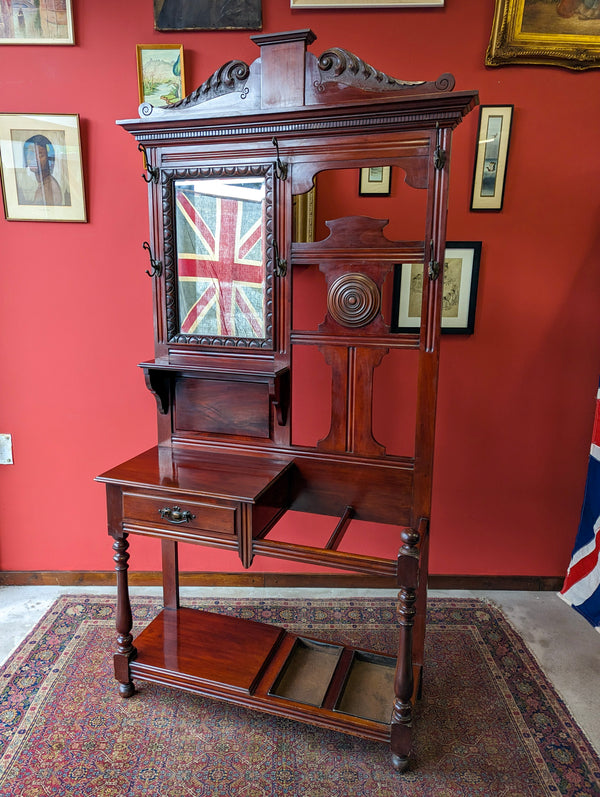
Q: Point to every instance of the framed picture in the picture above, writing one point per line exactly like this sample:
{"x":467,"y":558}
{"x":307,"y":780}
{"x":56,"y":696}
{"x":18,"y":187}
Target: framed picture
{"x":161,"y":79}
{"x":42,"y":175}
{"x":559,"y":33}
{"x":207,"y":15}
{"x":303,"y":216}
{"x":364,"y":3}
{"x":461,"y":277}
{"x":375,"y":180}
{"x":23,"y":22}
{"x":489,"y":175}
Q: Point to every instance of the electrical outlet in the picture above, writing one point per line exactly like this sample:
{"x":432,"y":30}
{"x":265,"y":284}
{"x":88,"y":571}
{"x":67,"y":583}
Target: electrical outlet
{"x":6,"y":457}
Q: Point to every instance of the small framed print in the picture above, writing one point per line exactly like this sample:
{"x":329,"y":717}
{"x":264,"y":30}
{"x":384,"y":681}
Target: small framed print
{"x":492,"y":155}
{"x":42,"y":175}
{"x":375,"y":180}
{"x":161,"y":79}
{"x":35,"y":22}
{"x":461,"y":277}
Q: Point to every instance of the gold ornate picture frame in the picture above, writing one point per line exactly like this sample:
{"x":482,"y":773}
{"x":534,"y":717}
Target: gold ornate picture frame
{"x":562,"y":33}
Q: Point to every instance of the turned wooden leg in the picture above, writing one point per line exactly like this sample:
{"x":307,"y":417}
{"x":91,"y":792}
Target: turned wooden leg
{"x":408,"y":576}
{"x":124,"y":622}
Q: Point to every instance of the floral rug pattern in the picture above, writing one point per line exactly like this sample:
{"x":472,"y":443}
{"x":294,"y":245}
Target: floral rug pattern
{"x":488,"y":724}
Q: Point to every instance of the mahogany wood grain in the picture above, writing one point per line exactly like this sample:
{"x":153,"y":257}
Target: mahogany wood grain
{"x":225,"y":469}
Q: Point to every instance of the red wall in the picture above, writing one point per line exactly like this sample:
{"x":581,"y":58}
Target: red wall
{"x":516,"y":399}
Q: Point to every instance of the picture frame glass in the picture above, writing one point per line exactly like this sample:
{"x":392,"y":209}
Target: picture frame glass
{"x":489,"y":174}
{"x":375,"y":180}
{"x":42,"y":174}
{"x":461,"y":276}
{"x":161,"y":77}
{"x":24,"y":22}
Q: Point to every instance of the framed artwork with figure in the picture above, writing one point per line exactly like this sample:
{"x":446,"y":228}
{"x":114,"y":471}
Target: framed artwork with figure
{"x":42,"y":174}
{"x":35,"y":22}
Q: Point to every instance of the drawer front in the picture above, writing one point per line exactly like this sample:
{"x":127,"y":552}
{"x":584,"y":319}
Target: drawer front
{"x":179,"y":511}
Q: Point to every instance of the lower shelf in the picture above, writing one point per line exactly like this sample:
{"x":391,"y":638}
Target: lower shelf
{"x":264,"y":667}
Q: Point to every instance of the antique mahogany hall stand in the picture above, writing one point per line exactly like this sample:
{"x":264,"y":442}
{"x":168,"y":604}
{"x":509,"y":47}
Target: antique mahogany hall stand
{"x":227,"y":168}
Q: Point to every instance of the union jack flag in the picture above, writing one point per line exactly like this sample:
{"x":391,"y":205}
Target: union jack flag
{"x":581,"y":588}
{"x":220,"y":258}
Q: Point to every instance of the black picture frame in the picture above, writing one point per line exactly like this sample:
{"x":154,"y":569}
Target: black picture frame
{"x":491,"y":157}
{"x":462,"y":261}
{"x":375,"y":181}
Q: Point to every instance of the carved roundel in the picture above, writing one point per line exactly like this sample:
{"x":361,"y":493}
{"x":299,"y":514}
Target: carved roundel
{"x":353,"y":300}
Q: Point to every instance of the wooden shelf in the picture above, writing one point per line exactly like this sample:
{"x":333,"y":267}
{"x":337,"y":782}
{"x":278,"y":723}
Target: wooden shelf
{"x":263,"y":666}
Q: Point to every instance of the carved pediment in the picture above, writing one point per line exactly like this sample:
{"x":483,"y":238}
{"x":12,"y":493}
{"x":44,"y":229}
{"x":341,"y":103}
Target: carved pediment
{"x":287,"y":76}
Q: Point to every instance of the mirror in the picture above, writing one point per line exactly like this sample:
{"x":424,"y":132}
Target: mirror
{"x":220,"y":233}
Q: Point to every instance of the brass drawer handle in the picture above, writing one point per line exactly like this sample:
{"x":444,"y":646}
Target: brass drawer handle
{"x":176,"y":514}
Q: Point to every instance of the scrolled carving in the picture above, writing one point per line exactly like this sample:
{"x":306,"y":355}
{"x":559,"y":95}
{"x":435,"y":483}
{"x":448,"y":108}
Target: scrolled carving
{"x":445,"y":82}
{"x":344,"y":64}
{"x":230,"y":77}
{"x":353,"y":300}
{"x":345,"y":67}
{"x":145,"y":109}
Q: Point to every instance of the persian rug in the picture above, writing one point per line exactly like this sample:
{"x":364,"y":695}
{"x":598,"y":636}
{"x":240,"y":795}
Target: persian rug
{"x":489,"y":723}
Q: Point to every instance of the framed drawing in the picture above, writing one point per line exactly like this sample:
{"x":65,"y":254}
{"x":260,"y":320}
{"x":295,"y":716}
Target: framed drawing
{"x":42,"y":175}
{"x":161,"y":79}
{"x":375,"y":180}
{"x":23,"y":22}
{"x":461,"y":277}
{"x":493,"y":139}
{"x":558,"y":33}
{"x":207,"y":15}
{"x":364,"y":3}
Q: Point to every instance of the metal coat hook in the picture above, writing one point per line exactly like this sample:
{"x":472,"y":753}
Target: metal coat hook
{"x":156,"y":264}
{"x":153,"y":171}
{"x":280,"y":168}
{"x":433,"y":269}
{"x":280,"y":265}
{"x":439,"y":157}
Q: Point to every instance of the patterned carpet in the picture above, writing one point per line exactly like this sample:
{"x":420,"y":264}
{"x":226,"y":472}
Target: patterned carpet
{"x":488,"y":724}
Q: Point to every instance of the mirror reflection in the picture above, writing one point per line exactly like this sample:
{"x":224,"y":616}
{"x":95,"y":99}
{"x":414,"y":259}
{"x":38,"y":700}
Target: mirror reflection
{"x":220,"y":232}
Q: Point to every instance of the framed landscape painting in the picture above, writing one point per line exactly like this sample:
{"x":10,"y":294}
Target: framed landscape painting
{"x":36,"y":22}
{"x":554,"y":32}
{"x":42,"y":175}
{"x":161,"y":79}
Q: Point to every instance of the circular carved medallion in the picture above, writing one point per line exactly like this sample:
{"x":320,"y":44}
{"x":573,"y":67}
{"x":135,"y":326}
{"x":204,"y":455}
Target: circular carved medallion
{"x":353,"y":300}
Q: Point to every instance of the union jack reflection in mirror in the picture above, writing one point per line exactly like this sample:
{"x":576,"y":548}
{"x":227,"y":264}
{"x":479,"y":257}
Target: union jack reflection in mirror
{"x":220,"y":261}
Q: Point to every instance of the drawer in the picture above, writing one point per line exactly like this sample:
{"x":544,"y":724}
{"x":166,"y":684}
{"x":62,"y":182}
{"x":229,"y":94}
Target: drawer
{"x":179,"y":510}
